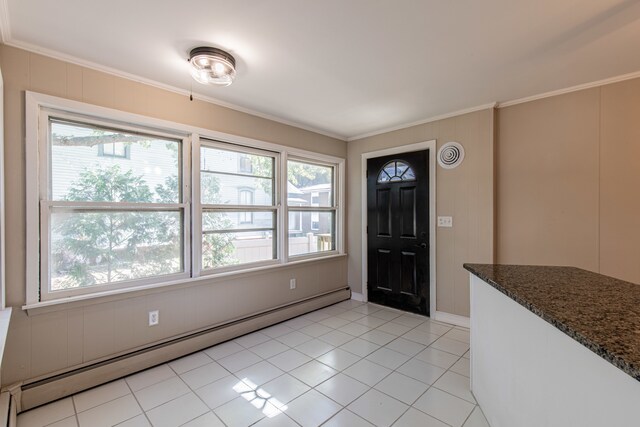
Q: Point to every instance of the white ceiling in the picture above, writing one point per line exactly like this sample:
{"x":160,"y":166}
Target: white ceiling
{"x":346,"y":67}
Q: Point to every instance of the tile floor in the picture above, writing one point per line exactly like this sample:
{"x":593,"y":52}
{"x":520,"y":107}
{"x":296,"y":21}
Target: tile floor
{"x":350,"y":364}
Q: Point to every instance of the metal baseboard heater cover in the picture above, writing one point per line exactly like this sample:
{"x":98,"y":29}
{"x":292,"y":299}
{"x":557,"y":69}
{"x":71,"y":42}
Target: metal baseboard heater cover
{"x":52,"y":388}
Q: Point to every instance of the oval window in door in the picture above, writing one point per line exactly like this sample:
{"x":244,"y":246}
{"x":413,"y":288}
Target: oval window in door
{"x":396,"y":170}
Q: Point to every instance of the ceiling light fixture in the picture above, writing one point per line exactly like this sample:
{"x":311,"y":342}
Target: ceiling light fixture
{"x":212,"y":66}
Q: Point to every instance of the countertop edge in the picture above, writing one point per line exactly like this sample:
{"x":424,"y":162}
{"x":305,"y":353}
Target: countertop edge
{"x":599,"y":350}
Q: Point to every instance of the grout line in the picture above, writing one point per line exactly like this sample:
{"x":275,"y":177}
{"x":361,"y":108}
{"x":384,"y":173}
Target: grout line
{"x":205,"y":405}
{"x":93,"y":388}
{"x":136,"y":399}
{"x":344,"y":408}
{"x":403,"y":412}
{"x":469,"y":416}
{"x":73,"y":402}
{"x":75,"y":411}
{"x":459,"y":357}
{"x":369,"y":388}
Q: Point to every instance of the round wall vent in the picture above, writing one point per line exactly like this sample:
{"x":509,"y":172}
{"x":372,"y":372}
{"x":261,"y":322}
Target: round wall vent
{"x":450,"y":155}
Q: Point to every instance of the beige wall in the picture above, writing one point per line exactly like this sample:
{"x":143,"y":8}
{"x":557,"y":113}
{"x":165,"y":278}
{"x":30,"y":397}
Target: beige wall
{"x":466,"y":193}
{"x":620,"y":180}
{"x":568,"y":173}
{"x":72,"y":335}
{"x":547,"y":181}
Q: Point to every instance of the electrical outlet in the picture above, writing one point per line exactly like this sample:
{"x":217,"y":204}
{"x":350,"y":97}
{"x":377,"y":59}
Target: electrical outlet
{"x":154,"y":317}
{"x":445,"y":221}
{"x":292,"y":284}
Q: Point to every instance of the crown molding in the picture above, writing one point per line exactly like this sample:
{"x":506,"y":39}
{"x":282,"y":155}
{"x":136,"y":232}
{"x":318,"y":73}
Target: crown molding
{"x":597,"y":83}
{"x":134,"y":77}
{"x":576,"y":88}
{"x":424,"y":121}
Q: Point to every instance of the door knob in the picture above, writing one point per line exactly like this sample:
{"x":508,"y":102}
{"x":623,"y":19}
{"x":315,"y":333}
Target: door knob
{"x":421,"y":245}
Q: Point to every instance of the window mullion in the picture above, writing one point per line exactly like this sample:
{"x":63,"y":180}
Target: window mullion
{"x":196,"y":208}
{"x":312,"y":209}
{"x":185,"y":192}
{"x":236,"y":230}
{"x":238,"y":208}
{"x":61,"y":116}
{"x":246,"y":175}
{"x":45,"y":250}
{"x":339,"y":203}
{"x":116,"y":206}
{"x":283,"y":234}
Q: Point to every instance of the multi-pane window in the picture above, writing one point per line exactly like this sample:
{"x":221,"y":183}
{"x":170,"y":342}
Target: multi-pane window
{"x":115,"y":149}
{"x":239,"y":212}
{"x":110,"y":223}
{"x":116,"y":201}
{"x":311,"y":198}
{"x":244,"y":163}
{"x":315,"y":221}
{"x":394,"y":171}
{"x":246,"y":198}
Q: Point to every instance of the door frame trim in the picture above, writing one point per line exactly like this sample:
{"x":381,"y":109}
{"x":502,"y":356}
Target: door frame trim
{"x":419,"y":146}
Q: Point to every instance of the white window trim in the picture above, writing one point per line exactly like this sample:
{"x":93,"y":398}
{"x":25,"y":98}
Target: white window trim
{"x":2,"y":207}
{"x":35,"y":103}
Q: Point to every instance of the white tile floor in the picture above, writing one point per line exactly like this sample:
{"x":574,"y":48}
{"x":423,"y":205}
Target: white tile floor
{"x":350,"y":364}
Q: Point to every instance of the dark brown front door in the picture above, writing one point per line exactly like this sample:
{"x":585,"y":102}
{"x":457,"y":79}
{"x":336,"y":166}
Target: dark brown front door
{"x":398,"y":231}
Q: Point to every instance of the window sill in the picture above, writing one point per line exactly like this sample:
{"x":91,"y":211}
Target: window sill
{"x":124,"y":293}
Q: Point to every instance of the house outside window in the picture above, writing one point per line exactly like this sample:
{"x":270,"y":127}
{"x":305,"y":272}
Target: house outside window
{"x":315,"y":221}
{"x":115,"y":149}
{"x":295,"y":223}
{"x":246,"y":198}
{"x":244,"y":163}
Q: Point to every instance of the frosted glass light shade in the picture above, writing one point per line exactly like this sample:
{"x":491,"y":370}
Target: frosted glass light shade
{"x":212,"y":66}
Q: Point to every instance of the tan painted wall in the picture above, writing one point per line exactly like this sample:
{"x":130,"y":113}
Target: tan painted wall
{"x":620,"y":180}
{"x":547,"y":181}
{"x":568,"y":173}
{"x":43,"y":343}
{"x":466,"y":193}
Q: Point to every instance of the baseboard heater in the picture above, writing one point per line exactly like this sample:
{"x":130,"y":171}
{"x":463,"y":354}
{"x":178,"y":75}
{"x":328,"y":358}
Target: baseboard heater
{"x":36,"y":393}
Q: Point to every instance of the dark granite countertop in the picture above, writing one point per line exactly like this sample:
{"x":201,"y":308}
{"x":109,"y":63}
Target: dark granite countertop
{"x":600,"y":312}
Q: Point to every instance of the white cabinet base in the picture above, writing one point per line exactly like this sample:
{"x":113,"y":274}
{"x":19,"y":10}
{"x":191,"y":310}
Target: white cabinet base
{"x":526,"y":373}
